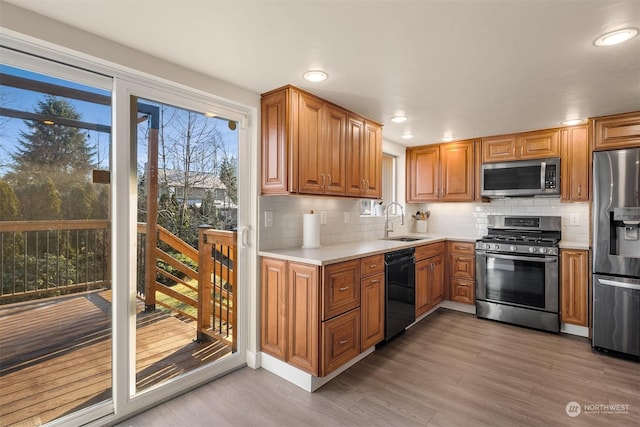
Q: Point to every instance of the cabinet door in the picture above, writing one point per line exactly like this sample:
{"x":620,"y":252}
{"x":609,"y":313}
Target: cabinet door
{"x":457,"y":172}
{"x":574,"y":283}
{"x":617,"y":131}
{"x":273,"y":313}
{"x":340,"y":288}
{"x":436,"y":281}
{"x":275,"y":152}
{"x":355,"y":141}
{"x":340,"y":340}
{"x":303,"y":317}
{"x":576,"y":164}
{"x":371,"y":163}
{"x":463,"y":291}
{"x":462,"y":266}
{"x":423,"y":271}
{"x":499,"y":149}
{"x":311,"y":157}
{"x":538,"y":145}
{"x":334,"y":151}
{"x":372,"y":310}
{"x":423,"y":174}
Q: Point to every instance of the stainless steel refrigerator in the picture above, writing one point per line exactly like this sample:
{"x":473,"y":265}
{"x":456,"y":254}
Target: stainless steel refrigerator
{"x":616,"y":251}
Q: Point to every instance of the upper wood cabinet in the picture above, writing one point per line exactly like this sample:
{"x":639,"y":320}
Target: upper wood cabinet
{"x":576,"y":164}
{"x":364,"y":158}
{"x":521,"y":146}
{"x":616,"y":131}
{"x":574,"y":286}
{"x":311,"y":146}
{"x":442,"y":172}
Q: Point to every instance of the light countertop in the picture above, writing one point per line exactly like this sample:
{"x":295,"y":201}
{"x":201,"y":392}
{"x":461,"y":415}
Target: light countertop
{"x":351,"y":250}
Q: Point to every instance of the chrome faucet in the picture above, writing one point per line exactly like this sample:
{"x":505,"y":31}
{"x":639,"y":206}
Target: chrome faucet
{"x":386,"y":217}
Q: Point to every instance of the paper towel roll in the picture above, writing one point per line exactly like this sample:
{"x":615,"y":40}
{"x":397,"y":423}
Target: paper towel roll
{"x":311,"y":230}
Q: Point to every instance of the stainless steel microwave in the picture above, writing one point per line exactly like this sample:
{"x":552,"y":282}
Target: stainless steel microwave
{"x":539,"y":177}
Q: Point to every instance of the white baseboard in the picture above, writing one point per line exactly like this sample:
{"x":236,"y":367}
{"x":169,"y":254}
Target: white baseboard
{"x":253,"y":359}
{"x":457,"y":306}
{"x":302,"y":379}
{"x":581,"y":331}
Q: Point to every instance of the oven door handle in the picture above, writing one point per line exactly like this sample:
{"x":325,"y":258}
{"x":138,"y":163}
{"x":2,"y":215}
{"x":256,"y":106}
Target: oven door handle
{"x":519,"y":258}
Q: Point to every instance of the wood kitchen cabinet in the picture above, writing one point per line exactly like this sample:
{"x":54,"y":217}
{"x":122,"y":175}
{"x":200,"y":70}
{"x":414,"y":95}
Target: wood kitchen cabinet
{"x":574,"y":286}
{"x":311,"y":146}
{"x":576,"y":164}
{"x":442,"y":172}
{"x":522,"y":146}
{"x":372,"y":301}
{"x":429,"y":277}
{"x":364,"y":158}
{"x":616,"y":131}
{"x":312,"y":317}
{"x":462,"y":271}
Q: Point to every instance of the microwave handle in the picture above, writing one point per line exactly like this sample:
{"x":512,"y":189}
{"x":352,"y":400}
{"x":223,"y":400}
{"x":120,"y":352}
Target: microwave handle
{"x":543,"y":175}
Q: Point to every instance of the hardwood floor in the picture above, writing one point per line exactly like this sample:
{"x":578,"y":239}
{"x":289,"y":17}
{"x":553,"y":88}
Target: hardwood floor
{"x":451,"y":369}
{"x":55,"y":355}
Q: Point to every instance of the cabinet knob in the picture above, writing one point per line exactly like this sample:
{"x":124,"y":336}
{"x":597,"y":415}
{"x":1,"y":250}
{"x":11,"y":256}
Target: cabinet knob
{"x":344,"y":288}
{"x":341,"y":342}
{"x":374,"y":281}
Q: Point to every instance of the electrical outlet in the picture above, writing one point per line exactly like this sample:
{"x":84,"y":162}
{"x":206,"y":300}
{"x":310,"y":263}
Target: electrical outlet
{"x":323,"y":217}
{"x":268,"y":218}
{"x":347,"y":217}
{"x":574,"y":219}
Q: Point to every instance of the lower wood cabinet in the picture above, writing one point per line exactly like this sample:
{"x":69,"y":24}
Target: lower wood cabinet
{"x":318,"y":318}
{"x":574,"y":286}
{"x":462,"y":271}
{"x":429,"y":277}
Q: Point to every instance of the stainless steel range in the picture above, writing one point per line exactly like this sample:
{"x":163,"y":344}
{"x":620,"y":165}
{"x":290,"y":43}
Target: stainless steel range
{"x":517,"y":271}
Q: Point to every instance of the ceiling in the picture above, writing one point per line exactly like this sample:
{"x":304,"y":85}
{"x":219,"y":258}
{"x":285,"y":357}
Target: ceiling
{"x":457,"y":68}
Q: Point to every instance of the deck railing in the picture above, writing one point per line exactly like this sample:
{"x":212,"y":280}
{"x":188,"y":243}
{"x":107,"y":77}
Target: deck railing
{"x":47,"y":258}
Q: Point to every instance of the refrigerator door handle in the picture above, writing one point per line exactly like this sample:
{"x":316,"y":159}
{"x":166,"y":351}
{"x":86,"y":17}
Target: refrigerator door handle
{"x":619,"y":284}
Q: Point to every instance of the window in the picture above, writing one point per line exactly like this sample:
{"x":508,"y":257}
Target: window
{"x":376,"y":207}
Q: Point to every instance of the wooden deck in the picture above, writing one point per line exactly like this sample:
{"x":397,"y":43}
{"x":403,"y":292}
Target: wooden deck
{"x":55,"y":355}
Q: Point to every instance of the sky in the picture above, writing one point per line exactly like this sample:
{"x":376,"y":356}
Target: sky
{"x":25,"y":100}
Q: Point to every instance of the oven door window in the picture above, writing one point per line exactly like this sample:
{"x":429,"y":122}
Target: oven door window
{"x":516,"y":281}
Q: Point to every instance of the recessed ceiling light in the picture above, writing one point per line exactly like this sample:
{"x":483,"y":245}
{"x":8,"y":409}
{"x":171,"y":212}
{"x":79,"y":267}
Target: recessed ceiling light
{"x":407,"y":136}
{"x":210,"y":115}
{"x":616,"y":37}
{"x":315,"y":76}
{"x":447,"y":138}
{"x":401,"y":118}
{"x":572,"y":122}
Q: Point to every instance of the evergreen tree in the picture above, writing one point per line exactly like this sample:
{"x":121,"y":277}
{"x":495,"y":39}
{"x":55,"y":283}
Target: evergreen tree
{"x":43,"y":201}
{"x":8,"y":203}
{"x":228,"y":177}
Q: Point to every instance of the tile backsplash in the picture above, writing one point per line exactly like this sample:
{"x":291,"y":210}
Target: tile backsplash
{"x":467,"y":220}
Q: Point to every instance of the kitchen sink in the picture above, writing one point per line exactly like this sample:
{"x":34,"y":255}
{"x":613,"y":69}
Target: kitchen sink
{"x":405,"y":238}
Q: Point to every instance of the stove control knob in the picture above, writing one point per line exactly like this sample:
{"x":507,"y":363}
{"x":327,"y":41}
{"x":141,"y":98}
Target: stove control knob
{"x":543,"y":250}
{"x":532,"y":249}
{"x":487,"y":246}
{"x":513,"y":248}
{"x":496,"y":247}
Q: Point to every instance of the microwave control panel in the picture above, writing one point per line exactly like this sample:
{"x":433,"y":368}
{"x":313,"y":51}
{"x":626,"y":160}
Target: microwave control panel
{"x":550,"y":177}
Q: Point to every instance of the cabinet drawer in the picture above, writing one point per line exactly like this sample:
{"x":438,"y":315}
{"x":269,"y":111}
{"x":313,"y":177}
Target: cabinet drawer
{"x":463,"y":248}
{"x":340,"y":340}
{"x":372,"y":265}
{"x":340,"y":288}
{"x":462,"y":267}
{"x":428,"y":251}
{"x":463,"y":291}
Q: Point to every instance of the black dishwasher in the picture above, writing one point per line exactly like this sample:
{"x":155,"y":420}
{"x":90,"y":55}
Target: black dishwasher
{"x":400,"y":299}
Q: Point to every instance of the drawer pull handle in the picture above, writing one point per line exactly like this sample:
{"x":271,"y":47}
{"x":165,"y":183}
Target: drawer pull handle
{"x":373,"y":265}
{"x":374,"y":281}
{"x":343,"y":342}
{"x":344,"y":289}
